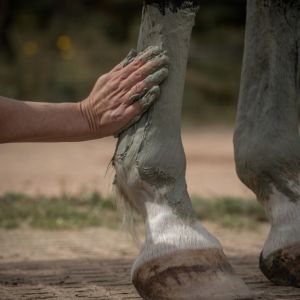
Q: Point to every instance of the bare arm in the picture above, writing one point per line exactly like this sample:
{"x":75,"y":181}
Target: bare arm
{"x":117,"y":99}
{"x":33,"y":122}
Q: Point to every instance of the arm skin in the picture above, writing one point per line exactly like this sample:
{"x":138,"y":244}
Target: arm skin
{"x":41,"y":122}
{"x":117,"y":100}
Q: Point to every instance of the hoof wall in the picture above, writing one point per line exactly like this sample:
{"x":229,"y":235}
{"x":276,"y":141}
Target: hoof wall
{"x":283,"y":266}
{"x":202,"y":274}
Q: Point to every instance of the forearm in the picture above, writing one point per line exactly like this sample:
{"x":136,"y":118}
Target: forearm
{"x":41,"y":122}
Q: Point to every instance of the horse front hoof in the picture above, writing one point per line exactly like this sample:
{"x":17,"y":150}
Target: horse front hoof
{"x":199,"y":274}
{"x":282,"y":267}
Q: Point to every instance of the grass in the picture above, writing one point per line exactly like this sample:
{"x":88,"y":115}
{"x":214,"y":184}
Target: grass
{"x":65,"y":212}
{"x":230,"y":212}
{"x":75,"y":212}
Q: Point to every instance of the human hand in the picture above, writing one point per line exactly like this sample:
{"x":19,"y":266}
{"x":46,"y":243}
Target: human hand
{"x":120,"y":97}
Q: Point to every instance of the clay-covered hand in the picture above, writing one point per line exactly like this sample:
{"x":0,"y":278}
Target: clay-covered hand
{"x":120,"y":97}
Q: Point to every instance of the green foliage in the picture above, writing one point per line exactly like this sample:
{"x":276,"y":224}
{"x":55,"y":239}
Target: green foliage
{"x":74,"y":212}
{"x":230,"y":212}
{"x":65,"y":212}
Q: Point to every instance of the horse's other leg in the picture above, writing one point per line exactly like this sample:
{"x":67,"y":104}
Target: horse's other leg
{"x":180,"y":259}
{"x":267,"y":147}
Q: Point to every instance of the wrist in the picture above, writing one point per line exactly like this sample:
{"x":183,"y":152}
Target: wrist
{"x":89,"y":118}
{"x":68,"y":123}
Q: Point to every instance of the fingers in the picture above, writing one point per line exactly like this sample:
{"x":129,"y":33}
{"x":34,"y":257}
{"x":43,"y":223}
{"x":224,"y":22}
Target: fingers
{"x":150,"y":53}
{"x":157,"y":77}
{"x":135,"y":111}
{"x":134,"y":60}
{"x":161,"y":61}
{"x":141,"y":59}
{"x":140,"y":89}
{"x":147,"y":101}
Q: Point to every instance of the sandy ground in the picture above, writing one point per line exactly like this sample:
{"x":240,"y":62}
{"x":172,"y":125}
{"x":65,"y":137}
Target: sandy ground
{"x":53,"y":169}
{"x":95,"y":263}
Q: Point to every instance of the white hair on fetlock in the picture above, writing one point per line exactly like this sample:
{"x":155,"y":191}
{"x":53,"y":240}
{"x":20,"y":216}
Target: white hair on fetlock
{"x":130,"y":219}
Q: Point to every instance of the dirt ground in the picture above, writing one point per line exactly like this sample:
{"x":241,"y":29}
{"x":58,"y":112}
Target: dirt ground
{"x":95,"y":263}
{"x":53,"y":169}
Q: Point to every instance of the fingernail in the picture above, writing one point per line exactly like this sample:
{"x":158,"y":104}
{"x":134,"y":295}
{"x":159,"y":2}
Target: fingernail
{"x":134,"y":98}
{"x":155,"y":90}
{"x":138,"y":96}
{"x":148,"y":100}
{"x":163,"y":59}
{"x":151,"y":96}
{"x":157,"y":77}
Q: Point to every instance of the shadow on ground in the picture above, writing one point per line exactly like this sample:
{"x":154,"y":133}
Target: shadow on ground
{"x":106,"y":279}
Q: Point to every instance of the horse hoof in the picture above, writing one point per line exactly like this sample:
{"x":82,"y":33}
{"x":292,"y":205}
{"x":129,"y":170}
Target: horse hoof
{"x":282,"y":267}
{"x":200,"y":274}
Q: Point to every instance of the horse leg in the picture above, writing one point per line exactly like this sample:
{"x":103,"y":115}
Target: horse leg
{"x":267,"y":145}
{"x":180,"y":259}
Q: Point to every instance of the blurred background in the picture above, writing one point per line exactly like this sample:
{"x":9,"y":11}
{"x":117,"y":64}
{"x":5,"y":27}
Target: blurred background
{"x":55,"y":50}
